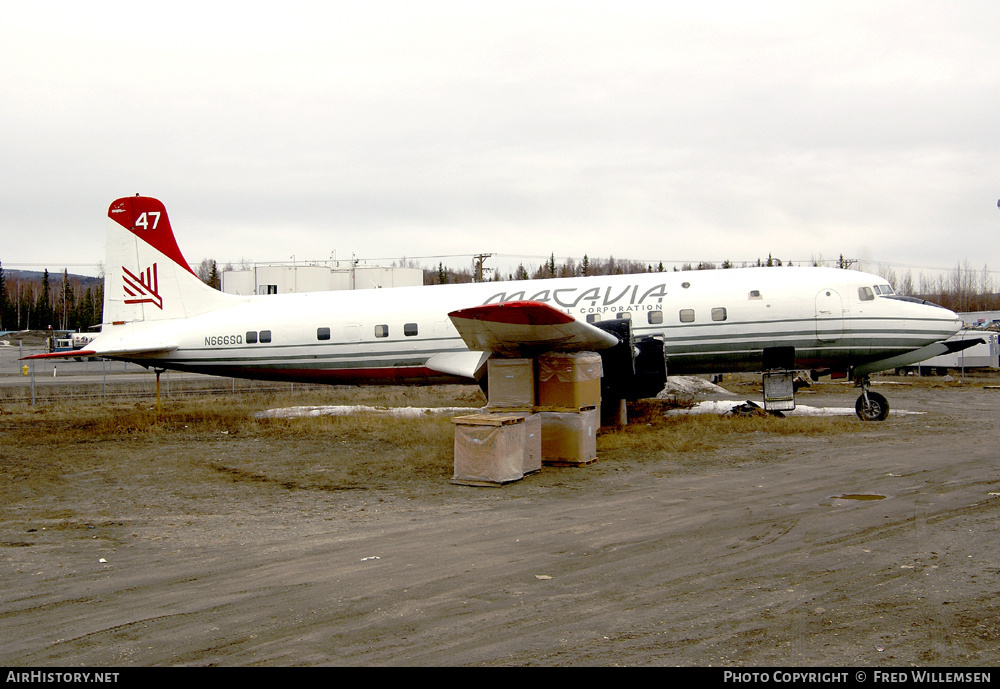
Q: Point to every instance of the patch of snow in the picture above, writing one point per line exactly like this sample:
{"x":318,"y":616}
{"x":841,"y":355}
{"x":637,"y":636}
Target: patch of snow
{"x":345,"y":410}
{"x":725,"y":406}
{"x":691,"y":385}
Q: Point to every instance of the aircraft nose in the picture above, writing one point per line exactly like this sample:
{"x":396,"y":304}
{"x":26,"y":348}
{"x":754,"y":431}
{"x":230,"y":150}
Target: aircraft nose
{"x":950,"y":321}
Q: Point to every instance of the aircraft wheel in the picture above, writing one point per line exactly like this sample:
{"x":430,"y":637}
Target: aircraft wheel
{"x":876,"y":410}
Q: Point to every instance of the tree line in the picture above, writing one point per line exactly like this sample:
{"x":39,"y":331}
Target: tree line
{"x":43,"y":302}
{"x":32,"y":301}
{"x":585,"y":267}
{"x":549,"y":269}
{"x":963,"y":289}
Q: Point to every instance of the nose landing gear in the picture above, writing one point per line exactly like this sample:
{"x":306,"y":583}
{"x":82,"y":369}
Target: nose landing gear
{"x":870,"y":406}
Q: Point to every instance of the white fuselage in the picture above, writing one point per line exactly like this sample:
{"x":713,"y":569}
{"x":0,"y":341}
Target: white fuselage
{"x":709,"y":321}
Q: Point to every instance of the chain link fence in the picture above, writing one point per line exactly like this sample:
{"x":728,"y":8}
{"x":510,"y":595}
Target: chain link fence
{"x":42,"y":381}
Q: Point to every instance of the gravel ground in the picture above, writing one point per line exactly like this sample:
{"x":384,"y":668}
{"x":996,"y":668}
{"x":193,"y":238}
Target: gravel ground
{"x":865,"y":549}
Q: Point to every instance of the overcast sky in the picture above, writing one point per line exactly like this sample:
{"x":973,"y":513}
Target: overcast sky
{"x":657,"y":131}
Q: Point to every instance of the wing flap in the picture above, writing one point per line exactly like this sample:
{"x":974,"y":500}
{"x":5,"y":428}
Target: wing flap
{"x":524,"y":326}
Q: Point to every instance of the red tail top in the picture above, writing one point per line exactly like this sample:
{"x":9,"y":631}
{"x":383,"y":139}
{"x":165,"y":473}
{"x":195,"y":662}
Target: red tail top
{"x":146,"y":218}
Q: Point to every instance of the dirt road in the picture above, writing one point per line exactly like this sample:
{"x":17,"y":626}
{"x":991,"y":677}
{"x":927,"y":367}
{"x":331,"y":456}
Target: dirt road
{"x":876,"y":548}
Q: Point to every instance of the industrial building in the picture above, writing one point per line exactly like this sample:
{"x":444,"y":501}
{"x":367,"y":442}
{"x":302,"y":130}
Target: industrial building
{"x":317,"y":277}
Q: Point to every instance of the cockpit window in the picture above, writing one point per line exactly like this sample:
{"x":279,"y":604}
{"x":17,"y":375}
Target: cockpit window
{"x":883,"y":289}
{"x":865,"y":293}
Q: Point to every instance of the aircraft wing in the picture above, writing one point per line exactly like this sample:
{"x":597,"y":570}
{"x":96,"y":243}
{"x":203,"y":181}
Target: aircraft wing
{"x":515,"y":327}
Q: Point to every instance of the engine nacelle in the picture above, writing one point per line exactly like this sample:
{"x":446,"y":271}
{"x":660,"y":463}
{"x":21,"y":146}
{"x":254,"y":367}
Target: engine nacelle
{"x":634,"y":368}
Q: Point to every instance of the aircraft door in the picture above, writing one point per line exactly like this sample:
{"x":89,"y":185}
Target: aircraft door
{"x":829,"y":315}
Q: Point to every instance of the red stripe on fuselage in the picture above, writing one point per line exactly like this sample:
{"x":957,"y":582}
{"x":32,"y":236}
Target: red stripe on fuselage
{"x":390,"y":375}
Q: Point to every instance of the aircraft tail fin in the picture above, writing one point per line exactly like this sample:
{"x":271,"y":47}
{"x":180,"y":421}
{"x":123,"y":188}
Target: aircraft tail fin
{"x":146,"y":276}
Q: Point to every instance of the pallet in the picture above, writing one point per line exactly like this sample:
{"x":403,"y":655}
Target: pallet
{"x":568,"y":462}
{"x":483,"y":484}
{"x":488,"y":419}
{"x":566,"y":410}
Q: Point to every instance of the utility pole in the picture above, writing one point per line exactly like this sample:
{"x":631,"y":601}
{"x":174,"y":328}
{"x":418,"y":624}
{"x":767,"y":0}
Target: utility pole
{"x":479,"y":259}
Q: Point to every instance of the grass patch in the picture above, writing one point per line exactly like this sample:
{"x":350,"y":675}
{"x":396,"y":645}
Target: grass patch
{"x":708,"y":432}
{"x":200,"y":444}
{"x":81,"y":421}
{"x":210,"y":445}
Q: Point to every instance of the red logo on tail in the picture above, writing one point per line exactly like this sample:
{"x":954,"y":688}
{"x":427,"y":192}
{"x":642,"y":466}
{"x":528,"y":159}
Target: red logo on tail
{"x":142,"y":289}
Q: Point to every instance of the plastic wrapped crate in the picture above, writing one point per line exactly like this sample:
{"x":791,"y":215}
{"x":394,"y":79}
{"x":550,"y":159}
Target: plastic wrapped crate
{"x":570,"y":437}
{"x":489,"y":448}
{"x":532,"y":443}
{"x":569,"y":380}
{"x":511,"y":383}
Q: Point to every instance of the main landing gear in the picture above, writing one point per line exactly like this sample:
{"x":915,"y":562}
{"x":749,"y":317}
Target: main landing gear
{"x":870,"y":406}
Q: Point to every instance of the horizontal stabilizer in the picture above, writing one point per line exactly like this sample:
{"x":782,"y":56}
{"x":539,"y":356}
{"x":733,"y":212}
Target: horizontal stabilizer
{"x":111,"y":352}
{"x":61,"y":355}
{"x":518,"y":326}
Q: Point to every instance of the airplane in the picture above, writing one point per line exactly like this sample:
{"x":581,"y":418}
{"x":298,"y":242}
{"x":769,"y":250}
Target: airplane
{"x":159,"y":314}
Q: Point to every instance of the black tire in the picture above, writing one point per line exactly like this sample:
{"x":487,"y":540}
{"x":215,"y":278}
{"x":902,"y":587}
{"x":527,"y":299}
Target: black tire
{"x":877,"y":409}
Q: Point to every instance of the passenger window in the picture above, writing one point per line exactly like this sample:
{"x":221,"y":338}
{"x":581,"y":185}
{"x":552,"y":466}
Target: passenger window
{"x":322,"y":333}
{"x":687,"y":315}
{"x":865,"y":294}
{"x":265,"y":335}
{"x":719,"y":313}
{"x":410,"y":329}
{"x":655,"y":317}
{"x":624,"y":316}
{"x":381,"y":331}
{"x":592,"y":318}
{"x":754,"y":294}
{"x":251,"y":337}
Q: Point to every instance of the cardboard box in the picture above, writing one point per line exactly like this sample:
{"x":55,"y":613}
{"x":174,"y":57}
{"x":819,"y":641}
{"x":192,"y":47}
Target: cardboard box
{"x":570,"y":437}
{"x":489,"y":448}
{"x":511,"y":383}
{"x":569,"y":380}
